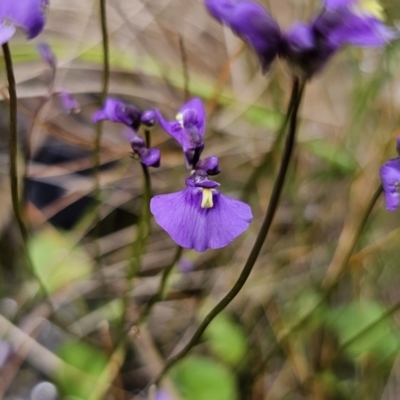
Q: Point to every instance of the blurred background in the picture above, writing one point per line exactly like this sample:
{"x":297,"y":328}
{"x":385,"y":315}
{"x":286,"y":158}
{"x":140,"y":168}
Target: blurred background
{"x":285,"y":336}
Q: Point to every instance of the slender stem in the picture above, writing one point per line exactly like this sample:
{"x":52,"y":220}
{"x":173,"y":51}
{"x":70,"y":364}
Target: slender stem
{"x":147,"y":136}
{"x":259,"y":171}
{"x":13,"y":149}
{"x":273,"y":204}
{"x":161,"y":288}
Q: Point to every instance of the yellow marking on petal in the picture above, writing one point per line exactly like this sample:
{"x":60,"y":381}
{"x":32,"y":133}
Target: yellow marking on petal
{"x":372,"y":7}
{"x":192,"y":171}
{"x":179,"y":118}
{"x":207,"y":199}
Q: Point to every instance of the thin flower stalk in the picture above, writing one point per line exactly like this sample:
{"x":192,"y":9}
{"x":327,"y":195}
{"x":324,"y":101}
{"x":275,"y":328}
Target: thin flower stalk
{"x":262,"y":235}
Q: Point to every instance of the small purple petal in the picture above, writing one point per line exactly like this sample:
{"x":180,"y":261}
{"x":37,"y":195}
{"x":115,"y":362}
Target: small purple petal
{"x":5,"y":353}
{"x":173,"y":128}
{"x":149,"y":156}
{"x":6,"y":32}
{"x":390,"y":177}
{"x":194,"y":227}
{"x":162,"y":395}
{"x":68,"y":101}
{"x":186,"y":265}
{"x":148,"y":118}
{"x":210,"y":165}
{"x":194,"y":114}
{"x":335,"y":4}
{"x":252,"y":23}
{"x":301,"y":37}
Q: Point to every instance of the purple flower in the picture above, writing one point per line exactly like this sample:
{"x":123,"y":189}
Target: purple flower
{"x":116,"y":111}
{"x":306,"y":47}
{"x":200,"y":217}
{"x":187,"y":129}
{"x":26,"y":14}
{"x":390,"y":177}
{"x":68,"y":101}
{"x":210,"y":165}
{"x":48,"y":56}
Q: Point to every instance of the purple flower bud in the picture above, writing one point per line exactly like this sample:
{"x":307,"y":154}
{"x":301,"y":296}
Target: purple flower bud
{"x":149,"y":156}
{"x":200,"y":217}
{"x":187,"y":129}
{"x":116,"y":111}
{"x":210,"y":165}
{"x":185,"y":265}
{"x":148,"y":118}
{"x":26,"y":14}
{"x":47,"y":55}
{"x":69,"y":102}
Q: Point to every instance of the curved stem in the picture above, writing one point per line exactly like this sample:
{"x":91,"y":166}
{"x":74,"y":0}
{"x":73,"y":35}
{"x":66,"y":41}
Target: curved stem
{"x":273,"y":204}
{"x":13,"y":149}
{"x":161,"y":288}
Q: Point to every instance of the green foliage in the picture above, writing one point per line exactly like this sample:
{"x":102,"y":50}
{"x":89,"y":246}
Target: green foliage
{"x":227,"y":339}
{"x":266,"y":118}
{"x":381,"y":341}
{"x":56,"y":260}
{"x":199,"y":378}
{"x":337,"y":156}
{"x":85,"y":358}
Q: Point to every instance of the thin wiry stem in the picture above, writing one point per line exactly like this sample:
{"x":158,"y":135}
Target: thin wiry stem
{"x":161,"y":288}
{"x":272,"y":207}
{"x":185,"y":69}
{"x":13,"y":149}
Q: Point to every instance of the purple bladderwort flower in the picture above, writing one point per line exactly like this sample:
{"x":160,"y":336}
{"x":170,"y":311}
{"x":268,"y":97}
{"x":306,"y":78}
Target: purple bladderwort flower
{"x":148,"y":156}
{"x":30,"y":15}
{"x":390,"y":177}
{"x":200,"y":217}
{"x":187,"y":129}
{"x":116,"y":111}
{"x":306,"y":47}
{"x":48,"y":56}
{"x":69,"y":101}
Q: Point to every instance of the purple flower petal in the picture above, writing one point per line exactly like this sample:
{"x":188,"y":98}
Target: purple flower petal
{"x":194,"y":227}
{"x":6,"y":32}
{"x":149,"y":156}
{"x":210,"y":165}
{"x":335,"y":4}
{"x":27,"y":14}
{"x":252,"y":23}
{"x":148,"y":118}
{"x":162,"y":395}
{"x":390,"y":177}
{"x":194,"y":114}
{"x":116,"y":111}
{"x":47,"y":55}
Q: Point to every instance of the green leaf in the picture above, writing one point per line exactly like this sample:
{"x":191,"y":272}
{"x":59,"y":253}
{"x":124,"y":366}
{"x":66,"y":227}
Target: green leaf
{"x":85,"y":358}
{"x":227,"y":339}
{"x":337,"y":156}
{"x":56,"y":260}
{"x":261,"y":116}
{"x":199,"y":378}
{"x":381,"y":341}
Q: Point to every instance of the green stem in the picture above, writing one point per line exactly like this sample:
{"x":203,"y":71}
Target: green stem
{"x":161,"y":288}
{"x":272,"y":207}
{"x":13,"y":149}
{"x":266,"y":162}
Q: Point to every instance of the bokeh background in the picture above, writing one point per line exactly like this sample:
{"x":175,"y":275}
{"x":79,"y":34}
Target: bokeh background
{"x":261,"y":347}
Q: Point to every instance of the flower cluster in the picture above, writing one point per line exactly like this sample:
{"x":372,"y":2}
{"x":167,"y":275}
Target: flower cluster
{"x":306,"y":47}
{"x":390,"y":177}
{"x":116,"y":111}
{"x":198,"y":217}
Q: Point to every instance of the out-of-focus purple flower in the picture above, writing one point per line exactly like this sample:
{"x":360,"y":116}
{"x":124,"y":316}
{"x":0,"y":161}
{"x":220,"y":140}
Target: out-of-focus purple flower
{"x":187,"y":129}
{"x":68,"y":101}
{"x":390,"y":177}
{"x":5,"y":353}
{"x":252,"y":23}
{"x":200,"y":217}
{"x":48,"y":56}
{"x":116,"y":111}
{"x":306,"y":47}
{"x":148,"y":156}
{"x":185,"y":265}
{"x":162,"y":395}
{"x":26,"y":14}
